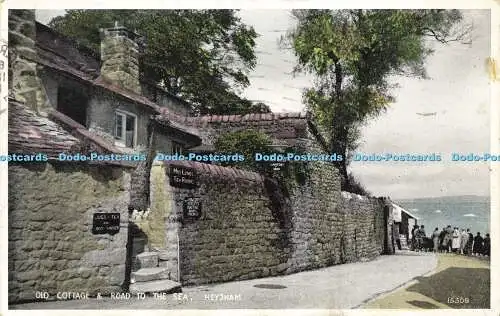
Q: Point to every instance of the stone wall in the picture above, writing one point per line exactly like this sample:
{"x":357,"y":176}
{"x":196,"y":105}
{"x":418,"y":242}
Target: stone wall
{"x":51,"y":245}
{"x":365,"y":224}
{"x":237,"y":234}
{"x":25,"y":85}
{"x":250,"y":227}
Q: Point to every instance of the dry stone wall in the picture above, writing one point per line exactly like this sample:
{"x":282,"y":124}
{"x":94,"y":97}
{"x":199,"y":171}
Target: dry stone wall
{"x":51,"y":245}
{"x":251,"y":227}
{"x":364,"y":226}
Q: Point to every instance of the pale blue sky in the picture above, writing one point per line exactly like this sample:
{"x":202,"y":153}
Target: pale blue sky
{"x":458,"y":91}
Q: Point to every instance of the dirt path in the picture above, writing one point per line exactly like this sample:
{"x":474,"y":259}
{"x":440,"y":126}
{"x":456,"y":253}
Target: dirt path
{"x":457,"y":282}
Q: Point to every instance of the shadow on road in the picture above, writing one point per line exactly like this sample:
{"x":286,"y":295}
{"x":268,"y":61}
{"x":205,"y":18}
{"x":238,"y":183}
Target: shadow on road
{"x":414,"y":254}
{"x":423,"y":304}
{"x":457,"y":284}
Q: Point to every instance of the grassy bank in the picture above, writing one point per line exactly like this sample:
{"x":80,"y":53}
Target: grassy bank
{"x":458,"y":282}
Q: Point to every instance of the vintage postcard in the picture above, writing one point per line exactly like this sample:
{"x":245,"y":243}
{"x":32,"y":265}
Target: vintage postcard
{"x":274,"y":158}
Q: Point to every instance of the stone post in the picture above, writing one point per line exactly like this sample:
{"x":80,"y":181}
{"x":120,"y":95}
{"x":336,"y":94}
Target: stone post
{"x":24,"y":84}
{"x":140,"y":187}
{"x":389,"y":247}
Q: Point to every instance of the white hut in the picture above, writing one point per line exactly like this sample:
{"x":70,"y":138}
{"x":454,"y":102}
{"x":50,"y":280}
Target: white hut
{"x":403,"y":224}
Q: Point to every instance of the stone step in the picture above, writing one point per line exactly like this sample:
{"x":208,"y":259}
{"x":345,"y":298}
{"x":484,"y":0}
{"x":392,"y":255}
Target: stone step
{"x":158,"y":286}
{"x":150,"y":274}
{"x":148,"y":259}
{"x":167,"y":255}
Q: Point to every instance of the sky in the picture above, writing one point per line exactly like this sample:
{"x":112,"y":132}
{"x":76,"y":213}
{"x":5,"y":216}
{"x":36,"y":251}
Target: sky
{"x":458,"y":91}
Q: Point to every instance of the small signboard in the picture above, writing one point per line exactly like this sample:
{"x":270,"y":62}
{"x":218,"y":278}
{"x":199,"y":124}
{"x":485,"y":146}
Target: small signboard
{"x":181,"y":177}
{"x":191,"y":208}
{"x":106,"y":223}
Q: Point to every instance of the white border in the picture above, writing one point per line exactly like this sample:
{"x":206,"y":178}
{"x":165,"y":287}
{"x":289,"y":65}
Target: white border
{"x":266,"y":4}
{"x":495,"y":168}
{"x":252,"y":4}
{"x":3,"y":166}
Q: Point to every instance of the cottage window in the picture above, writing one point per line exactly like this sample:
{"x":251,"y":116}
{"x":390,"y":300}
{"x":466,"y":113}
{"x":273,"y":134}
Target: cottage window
{"x":125,"y":129}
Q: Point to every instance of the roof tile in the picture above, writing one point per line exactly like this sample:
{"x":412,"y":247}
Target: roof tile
{"x":29,"y":132}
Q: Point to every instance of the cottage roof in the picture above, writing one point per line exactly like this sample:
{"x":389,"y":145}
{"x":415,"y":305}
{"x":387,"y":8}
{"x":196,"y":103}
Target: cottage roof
{"x":65,"y":54}
{"x":280,"y":126}
{"x":397,"y":210}
{"x":30,"y":133}
{"x":259,"y":118}
{"x":70,"y":58}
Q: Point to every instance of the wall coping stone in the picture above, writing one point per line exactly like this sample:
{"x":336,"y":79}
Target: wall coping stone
{"x":219,"y":171}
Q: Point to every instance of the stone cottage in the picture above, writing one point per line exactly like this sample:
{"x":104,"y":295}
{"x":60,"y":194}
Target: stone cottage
{"x":228,"y":224}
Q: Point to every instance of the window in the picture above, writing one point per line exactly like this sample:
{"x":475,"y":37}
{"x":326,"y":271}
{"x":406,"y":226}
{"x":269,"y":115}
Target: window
{"x":125,"y":129}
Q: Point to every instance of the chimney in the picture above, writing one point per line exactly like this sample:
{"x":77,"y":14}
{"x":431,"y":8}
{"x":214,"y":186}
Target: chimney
{"x":24,"y":84}
{"x":120,"y":58}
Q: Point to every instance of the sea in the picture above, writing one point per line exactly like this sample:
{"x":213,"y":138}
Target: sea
{"x":465,"y":211}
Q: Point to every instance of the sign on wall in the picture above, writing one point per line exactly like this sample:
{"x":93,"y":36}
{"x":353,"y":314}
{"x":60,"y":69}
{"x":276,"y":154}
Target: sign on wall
{"x":191,"y":208}
{"x":106,"y":223}
{"x":182,"y":177}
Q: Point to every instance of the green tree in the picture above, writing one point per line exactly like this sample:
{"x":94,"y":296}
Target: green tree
{"x":199,"y":55}
{"x":353,"y":54}
{"x":246,"y":142}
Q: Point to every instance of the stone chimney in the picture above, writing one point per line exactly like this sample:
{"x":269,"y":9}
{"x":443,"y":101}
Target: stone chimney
{"x":120,"y":58}
{"x":24,"y":84}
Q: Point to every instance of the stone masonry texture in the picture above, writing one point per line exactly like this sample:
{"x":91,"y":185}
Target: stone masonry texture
{"x":244,"y":233}
{"x":250,"y":226}
{"x":51,"y":245}
{"x":120,"y":55}
{"x":23,"y":79}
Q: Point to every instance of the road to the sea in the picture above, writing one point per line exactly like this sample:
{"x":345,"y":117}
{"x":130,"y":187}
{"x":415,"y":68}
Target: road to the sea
{"x":337,"y":287}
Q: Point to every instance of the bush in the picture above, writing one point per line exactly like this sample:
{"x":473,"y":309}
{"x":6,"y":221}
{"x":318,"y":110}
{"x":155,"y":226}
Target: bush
{"x":247,"y":142}
{"x":354,"y":186}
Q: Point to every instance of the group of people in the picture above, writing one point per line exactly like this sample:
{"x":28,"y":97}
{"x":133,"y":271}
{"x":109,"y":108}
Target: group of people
{"x":451,"y":240}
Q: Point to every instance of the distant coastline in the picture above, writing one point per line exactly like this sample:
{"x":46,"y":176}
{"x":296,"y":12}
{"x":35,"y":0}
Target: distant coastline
{"x":451,"y":197}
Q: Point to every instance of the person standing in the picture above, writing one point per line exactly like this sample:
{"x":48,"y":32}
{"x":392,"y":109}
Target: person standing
{"x":464,"y":237}
{"x":470,"y":242}
{"x":486,"y":245}
{"x":478,"y":245}
{"x":455,"y":244}
{"x":414,"y":237}
{"x":422,"y":237}
{"x":442,"y":236}
{"x":449,"y":238}
{"x":435,"y":239}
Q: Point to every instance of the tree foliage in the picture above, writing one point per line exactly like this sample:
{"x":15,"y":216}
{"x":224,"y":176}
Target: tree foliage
{"x":199,"y":55}
{"x":246,"y":142}
{"x":354,"y":53}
